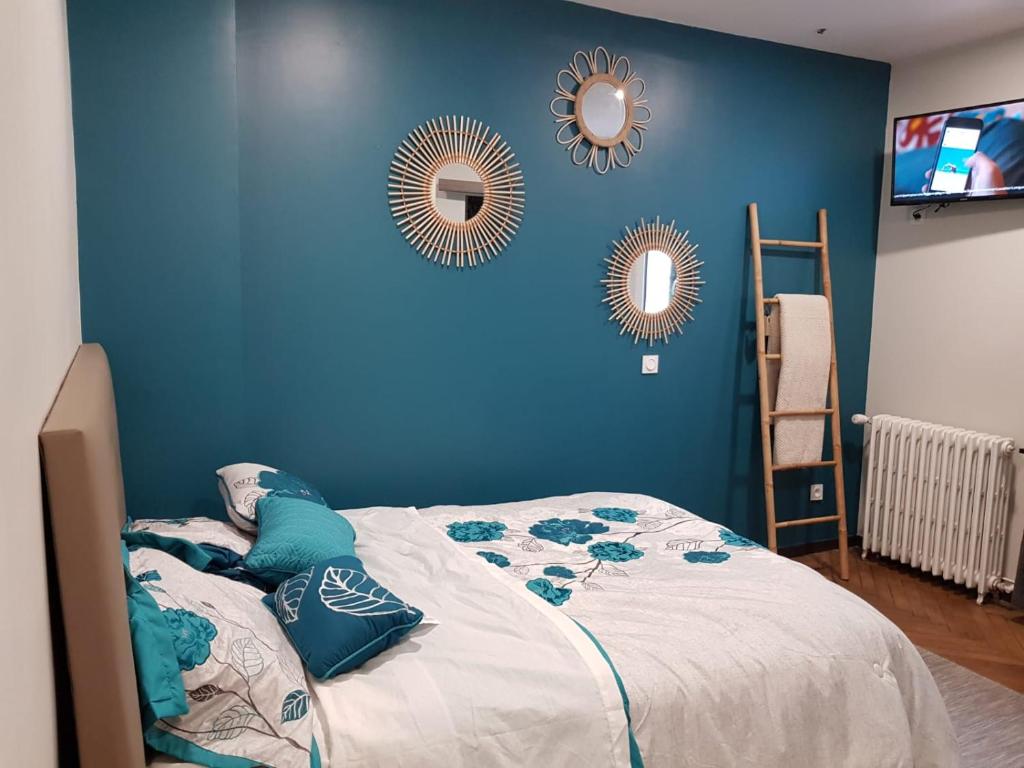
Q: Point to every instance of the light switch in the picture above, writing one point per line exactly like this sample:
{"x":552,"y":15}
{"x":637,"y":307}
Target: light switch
{"x":650,"y":364}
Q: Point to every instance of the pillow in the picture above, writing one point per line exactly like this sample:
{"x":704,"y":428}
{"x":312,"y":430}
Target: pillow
{"x":242,"y":485}
{"x":294,"y":535}
{"x":337,"y":617}
{"x":247,"y":697}
{"x":198,"y":530}
{"x":161,"y":693}
{"x":209,"y":558}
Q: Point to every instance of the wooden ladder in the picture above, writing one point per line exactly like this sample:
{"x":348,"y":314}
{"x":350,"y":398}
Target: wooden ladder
{"x":831,"y":408}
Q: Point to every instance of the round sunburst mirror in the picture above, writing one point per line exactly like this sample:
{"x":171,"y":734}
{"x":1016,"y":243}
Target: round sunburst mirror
{"x":600,"y":110}
{"x":653,"y":281}
{"x":456,"y":191}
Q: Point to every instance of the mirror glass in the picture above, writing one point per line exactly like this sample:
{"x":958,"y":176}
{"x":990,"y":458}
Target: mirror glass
{"x":604,"y":110}
{"x":652,"y":281}
{"x":458,"y":192}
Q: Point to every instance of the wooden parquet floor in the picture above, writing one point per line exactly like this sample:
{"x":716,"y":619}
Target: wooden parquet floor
{"x":936,"y":615}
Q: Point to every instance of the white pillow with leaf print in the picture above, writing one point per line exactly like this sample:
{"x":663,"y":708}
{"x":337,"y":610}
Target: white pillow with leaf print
{"x":242,"y":485}
{"x":247,"y":694}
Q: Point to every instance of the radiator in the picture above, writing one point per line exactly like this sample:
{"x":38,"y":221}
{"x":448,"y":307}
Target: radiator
{"x":936,"y":498}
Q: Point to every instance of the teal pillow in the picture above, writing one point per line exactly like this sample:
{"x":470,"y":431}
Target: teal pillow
{"x":294,"y":535}
{"x":338,"y":617}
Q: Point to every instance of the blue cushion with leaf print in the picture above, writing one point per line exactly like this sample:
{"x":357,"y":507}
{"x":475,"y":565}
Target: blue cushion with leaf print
{"x":338,"y":617}
{"x":294,"y":535}
{"x":243,"y":485}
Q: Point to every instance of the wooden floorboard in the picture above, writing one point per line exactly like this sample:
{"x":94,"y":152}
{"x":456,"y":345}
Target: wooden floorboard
{"x":936,"y":615}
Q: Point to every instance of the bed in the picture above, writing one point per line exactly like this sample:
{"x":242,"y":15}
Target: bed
{"x":596,"y":629}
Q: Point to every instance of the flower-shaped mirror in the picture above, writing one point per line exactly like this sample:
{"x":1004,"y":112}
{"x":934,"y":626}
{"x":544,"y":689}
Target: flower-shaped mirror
{"x":653,"y":281}
{"x":456,"y":191}
{"x":600,"y":110}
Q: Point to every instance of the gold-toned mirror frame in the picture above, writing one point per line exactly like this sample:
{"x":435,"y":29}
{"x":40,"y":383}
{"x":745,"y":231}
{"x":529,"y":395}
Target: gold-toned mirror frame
{"x":413,"y":179}
{"x":653,"y":236}
{"x":585,"y":69}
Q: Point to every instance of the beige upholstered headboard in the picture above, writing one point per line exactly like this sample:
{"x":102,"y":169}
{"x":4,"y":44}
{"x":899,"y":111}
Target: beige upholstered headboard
{"x":82,"y":468}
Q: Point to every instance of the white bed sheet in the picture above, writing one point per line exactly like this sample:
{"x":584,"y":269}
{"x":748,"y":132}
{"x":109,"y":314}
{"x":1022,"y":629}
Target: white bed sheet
{"x":741,"y":658}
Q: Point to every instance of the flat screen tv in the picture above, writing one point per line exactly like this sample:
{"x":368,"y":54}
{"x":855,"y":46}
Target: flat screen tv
{"x":971,"y":153}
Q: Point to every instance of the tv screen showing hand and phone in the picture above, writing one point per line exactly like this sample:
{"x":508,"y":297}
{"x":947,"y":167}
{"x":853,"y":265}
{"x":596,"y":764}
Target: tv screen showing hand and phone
{"x":972,"y":153}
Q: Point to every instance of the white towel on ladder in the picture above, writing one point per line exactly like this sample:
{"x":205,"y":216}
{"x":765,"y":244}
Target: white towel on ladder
{"x":799,"y":328}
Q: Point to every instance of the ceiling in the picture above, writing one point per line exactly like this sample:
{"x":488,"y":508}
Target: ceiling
{"x":887,"y":30}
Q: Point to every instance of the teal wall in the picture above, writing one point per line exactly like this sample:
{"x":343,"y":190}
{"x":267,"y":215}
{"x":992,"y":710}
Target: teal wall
{"x":156,"y":137}
{"x":239,"y":262}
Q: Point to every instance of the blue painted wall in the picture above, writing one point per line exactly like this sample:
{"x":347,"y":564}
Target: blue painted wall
{"x":155,"y":121}
{"x":240,"y":264}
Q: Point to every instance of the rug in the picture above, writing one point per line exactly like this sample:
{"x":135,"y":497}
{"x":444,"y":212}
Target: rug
{"x":988,"y":718}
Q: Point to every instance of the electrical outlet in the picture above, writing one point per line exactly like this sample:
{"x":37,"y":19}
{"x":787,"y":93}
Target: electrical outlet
{"x":649,"y":364}
{"x":817,"y":492}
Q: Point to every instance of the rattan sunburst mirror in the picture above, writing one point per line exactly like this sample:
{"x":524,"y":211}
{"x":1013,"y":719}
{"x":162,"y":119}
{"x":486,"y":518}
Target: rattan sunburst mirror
{"x":653,"y":281}
{"x":456,"y":191}
{"x":600,"y":110}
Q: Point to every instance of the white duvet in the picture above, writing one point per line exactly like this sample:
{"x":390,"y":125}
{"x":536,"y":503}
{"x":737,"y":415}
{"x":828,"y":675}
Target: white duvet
{"x":732,"y":656}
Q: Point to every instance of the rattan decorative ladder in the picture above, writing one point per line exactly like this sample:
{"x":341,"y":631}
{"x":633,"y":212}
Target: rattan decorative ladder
{"x":768,"y":415}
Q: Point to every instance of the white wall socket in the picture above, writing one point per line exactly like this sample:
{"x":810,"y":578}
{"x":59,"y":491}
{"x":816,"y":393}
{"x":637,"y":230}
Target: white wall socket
{"x":649,"y":364}
{"x":817,"y":492}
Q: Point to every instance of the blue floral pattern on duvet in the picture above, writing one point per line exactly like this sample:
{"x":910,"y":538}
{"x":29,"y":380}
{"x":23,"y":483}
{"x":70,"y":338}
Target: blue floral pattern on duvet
{"x":566,"y":532}
{"x":615,"y":514}
{"x":547,"y":590}
{"x":476,"y":530}
{"x":703,"y":556}
{"x":495,"y":559}
{"x":595,"y":556}
{"x":559,"y":572}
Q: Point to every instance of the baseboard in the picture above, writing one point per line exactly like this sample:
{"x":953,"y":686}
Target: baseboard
{"x":810,"y":548}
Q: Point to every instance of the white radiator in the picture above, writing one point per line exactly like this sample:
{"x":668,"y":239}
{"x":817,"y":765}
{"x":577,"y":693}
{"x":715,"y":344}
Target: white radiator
{"x":936,"y":497}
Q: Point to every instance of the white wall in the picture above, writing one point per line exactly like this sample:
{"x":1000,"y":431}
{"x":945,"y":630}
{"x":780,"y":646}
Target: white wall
{"x":947,"y":337}
{"x":39,"y":332}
